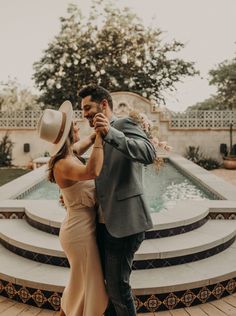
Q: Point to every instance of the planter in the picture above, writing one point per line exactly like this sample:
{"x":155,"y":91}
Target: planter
{"x":229,"y":162}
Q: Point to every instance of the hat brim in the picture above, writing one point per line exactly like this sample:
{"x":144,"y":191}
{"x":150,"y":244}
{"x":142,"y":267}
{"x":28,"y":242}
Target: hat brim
{"x":67,"y":108}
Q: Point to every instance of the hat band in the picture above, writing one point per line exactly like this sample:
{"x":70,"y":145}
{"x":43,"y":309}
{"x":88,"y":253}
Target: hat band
{"x":63,"y":123}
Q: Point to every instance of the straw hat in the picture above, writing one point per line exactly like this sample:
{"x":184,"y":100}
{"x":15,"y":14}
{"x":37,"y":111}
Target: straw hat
{"x":54,"y":126}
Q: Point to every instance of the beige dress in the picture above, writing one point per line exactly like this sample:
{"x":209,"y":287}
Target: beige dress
{"x":85,"y":294}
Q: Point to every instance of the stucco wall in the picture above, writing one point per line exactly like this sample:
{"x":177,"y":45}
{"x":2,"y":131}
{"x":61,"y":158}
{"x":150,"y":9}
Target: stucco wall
{"x":208,"y":140}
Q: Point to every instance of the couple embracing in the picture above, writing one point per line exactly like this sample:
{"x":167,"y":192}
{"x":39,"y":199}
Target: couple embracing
{"x":107,"y":214}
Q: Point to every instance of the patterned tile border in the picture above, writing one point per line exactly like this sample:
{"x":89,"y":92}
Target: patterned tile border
{"x":222,"y":215}
{"x":175,"y":230}
{"x":157,"y":263}
{"x":137,"y":264}
{"x":12,"y":215}
{"x":187,"y":298}
{"x":144,"y":303}
{"x":148,"y":235}
{"x":44,"y":227}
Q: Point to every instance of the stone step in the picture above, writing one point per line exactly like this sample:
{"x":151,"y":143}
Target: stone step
{"x":200,"y":281}
{"x":212,"y":237}
{"x":181,"y":217}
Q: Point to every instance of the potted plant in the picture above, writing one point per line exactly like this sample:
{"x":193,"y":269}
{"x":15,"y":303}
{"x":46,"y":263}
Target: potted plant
{"x":229,"y":159}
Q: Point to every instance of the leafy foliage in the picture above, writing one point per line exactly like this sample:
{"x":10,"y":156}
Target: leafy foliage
{"x":13,"y":97}
{"x":6,"y":146}
{"x":224,"y":77}
{"x":193,"y":153}
{"x":120,"y":54}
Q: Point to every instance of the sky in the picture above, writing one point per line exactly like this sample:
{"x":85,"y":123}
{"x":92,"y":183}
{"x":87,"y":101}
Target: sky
{"x":206,"y":27}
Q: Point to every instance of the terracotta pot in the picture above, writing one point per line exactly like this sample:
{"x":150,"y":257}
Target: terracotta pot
{"x":229,"y":162}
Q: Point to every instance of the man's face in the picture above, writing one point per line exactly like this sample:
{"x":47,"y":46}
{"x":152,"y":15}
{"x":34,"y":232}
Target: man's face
{"x":90,"y":109}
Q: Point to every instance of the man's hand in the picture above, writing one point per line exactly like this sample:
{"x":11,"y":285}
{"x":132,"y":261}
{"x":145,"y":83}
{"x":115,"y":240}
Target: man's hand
{"x":101,"y":124}
{"x":61,"y":200}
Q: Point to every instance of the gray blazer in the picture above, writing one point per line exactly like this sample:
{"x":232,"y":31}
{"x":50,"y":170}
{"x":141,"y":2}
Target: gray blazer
{"x":120,"y":186}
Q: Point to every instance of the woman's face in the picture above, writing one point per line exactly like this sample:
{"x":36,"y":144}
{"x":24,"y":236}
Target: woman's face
{"x":76,"y":131}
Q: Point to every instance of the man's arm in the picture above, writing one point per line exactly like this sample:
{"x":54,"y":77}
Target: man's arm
{"x":131,"y":141}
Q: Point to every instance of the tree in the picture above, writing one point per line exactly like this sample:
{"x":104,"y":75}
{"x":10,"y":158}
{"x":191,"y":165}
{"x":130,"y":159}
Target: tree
{"x":212,"y":103}
{"x":13,"y":97}
{"x":224,"y":77}
{"x":111,"y":48}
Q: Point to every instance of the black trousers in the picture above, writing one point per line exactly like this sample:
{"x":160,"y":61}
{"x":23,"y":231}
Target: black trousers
{"x":117,"y":257}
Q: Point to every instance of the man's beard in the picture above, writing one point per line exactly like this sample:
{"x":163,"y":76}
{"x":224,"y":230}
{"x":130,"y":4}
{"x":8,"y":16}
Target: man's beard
{"x":90,"y":118}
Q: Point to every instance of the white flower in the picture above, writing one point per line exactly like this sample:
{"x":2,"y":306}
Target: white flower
{"x":144,"y":94}
{"x":92,"y":67}
{"x":102,"y":71}
{"x":138,"y":63}
{"x":68,"y":64}
{"x":50,"y":83}
{"x":83,"y":61}
{"x":58,"y":86}
{"x":76,"y":62}
{"x":97,"y":74}
{"x":124,"y":59}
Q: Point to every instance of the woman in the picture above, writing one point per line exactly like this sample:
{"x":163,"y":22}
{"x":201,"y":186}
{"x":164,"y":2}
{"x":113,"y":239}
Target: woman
{"x":85,"y":293}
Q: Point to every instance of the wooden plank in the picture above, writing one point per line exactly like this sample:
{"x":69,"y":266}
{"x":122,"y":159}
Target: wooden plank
{"x":225,"y":307}
{"x":211,"y":310}
{"x":5,"y":304}
{"x":195,"y":311}
{"x":14,"y":310}
{"x":2,"y":299}
{"x":163,"y":313}
{"x":31,"y":311}
{"x":47,"y":313}
{"x":230,"y":300}
{"x":179,"y":312}
{"x":146,"y":314}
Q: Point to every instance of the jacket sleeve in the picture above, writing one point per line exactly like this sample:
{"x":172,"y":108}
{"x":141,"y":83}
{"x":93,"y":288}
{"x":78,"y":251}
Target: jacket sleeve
{"x":132,"y":142}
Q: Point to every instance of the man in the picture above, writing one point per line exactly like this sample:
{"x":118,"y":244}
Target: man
{"x":124,"y":215}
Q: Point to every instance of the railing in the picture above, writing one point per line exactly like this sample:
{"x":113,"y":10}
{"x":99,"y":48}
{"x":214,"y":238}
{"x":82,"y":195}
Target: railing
{"x":25,"y":119}
{"x":181,"y":120}
{"x":203,"y":119}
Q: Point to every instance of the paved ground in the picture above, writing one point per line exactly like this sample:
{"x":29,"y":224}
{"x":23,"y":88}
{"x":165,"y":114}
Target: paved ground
{"x":224,"y":307}
{"x":226,"y":174}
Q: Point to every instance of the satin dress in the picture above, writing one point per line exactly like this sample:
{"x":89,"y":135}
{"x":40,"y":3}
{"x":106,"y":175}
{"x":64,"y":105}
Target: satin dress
{"x":85,"y":294}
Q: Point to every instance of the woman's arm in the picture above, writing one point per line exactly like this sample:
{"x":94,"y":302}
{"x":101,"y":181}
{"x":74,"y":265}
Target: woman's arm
{"x":71,"y":169}
{"x":82,"y":146}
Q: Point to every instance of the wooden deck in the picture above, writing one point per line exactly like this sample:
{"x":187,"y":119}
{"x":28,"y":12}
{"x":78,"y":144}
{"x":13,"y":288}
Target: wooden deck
{"x":223,"y":307}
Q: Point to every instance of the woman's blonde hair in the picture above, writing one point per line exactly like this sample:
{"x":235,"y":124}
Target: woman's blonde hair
{"x":62,"y":153}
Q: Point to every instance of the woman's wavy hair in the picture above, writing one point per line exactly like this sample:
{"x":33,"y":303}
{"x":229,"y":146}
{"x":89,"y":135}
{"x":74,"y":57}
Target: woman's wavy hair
{"x":62,"y":153}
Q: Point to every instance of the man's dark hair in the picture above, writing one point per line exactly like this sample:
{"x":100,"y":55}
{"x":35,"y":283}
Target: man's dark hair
{"x":97,"y":94}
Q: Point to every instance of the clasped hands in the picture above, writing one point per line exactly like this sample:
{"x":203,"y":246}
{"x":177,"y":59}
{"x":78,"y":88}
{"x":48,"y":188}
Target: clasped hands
{"x":101,"y":124}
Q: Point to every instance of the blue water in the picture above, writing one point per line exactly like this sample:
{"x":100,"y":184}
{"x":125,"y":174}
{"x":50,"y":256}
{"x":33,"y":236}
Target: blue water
{"x":162,"y":188}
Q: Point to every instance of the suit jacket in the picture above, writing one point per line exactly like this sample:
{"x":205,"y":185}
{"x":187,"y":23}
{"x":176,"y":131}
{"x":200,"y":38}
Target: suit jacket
{"x":120,"y":185}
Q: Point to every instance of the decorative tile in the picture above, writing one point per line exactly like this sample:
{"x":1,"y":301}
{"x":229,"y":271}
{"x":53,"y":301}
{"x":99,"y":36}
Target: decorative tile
{"x":55,"y":301}
{"x":24,"y":294}
{"x":39,"y":298}
{"x":152,"y":303}
{"x":1,"y":287}
{"x":157,"y":263}
{"x":204,"y":294}
{"x":174,"y":231}
{"x":11,"y":215}
{"x":230,"y":287}
{"x":43,"y":227}
{"x":171,"y":301}
{"x":10,"y":289}
{"x":188,"y":298}
{"x":218,"y":290}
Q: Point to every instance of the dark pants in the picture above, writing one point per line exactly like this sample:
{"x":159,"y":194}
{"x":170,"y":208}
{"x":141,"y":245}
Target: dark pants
{"x":117,"y":257}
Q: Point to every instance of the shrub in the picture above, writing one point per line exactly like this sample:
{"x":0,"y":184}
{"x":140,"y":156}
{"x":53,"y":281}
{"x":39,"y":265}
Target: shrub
{"x":6,"y":146}
{"x":194,"y":154}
